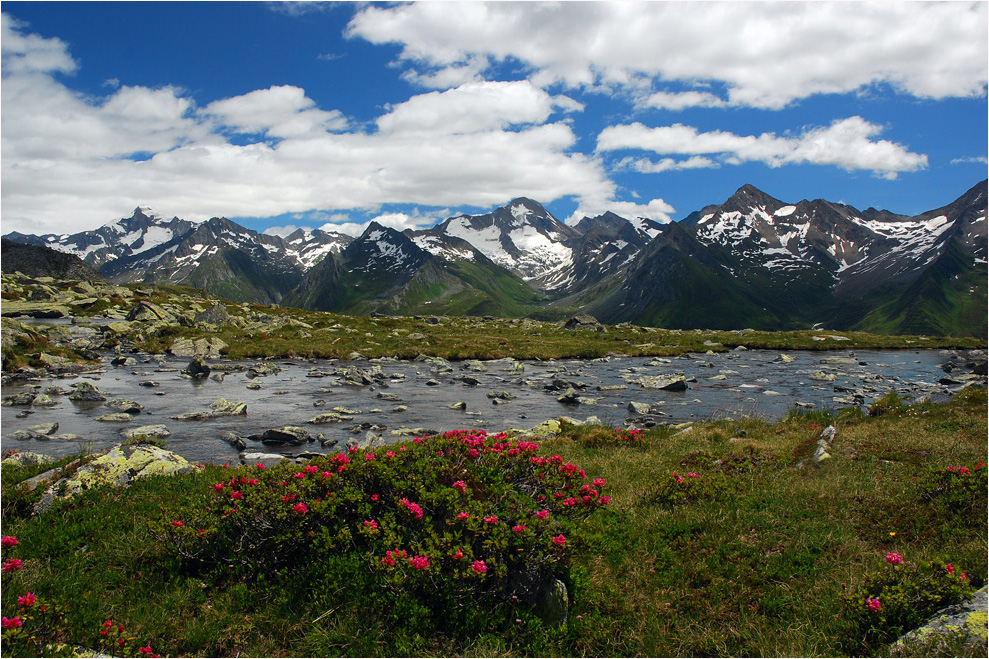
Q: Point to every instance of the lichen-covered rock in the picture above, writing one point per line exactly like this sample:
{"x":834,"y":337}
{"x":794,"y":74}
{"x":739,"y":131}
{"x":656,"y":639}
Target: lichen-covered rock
{"x":965,"y":625}
{"x":26,"y":458}
{"x":671,"y":382}
{"x":156,"y":430}
{"x":117,"y":467}
{"x":220,"y":407}
{"x":23,"y":398}
{"x":124,"y":405}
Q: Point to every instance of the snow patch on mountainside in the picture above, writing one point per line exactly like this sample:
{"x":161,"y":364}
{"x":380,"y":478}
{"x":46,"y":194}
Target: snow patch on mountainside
{"x":436,"y":247}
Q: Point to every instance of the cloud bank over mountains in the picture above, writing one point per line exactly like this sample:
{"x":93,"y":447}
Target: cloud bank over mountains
{"x":71,"y":160}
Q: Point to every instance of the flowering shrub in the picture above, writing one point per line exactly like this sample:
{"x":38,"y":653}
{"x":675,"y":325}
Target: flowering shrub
{"x":612,"y":437}
{"x":900,"y":597}
{"x":460,"y":517}
{"x":961,"y":490}
{"x":37,"y":630}
{"x":685,"y":488}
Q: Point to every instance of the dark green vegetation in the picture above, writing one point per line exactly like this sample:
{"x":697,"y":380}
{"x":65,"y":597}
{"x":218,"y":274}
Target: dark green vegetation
{"x":715,"y":542}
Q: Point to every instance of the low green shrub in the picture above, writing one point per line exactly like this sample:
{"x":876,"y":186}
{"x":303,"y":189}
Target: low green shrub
{"x":613,"y":437}
{"x":683,"y":489}
{"x":961,"y":490}
{"x":889,"y":403}
{"x":898,"y":598}
{"x":440,"y":523}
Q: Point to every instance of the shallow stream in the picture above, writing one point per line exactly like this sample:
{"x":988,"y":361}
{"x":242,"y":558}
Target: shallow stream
{"x":721,"y":386}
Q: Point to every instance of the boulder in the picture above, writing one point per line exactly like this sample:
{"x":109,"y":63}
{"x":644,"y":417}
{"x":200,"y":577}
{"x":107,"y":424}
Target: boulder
{"x":215,"y":315}
{"x":157,"y":430}
{"x":197,"y":368}
{"x":23,"y":398}
{"x":670,"y":382}
{"x":553,"y":604}
{"x":329,"y":417}
{"x":220,"y":407}
{"x":124,"y":405}
{"x":147,"y":311}
{"x":960,"y":630}
{"x":569,"y":397}
{"x":638,"y":408}
{"x":293,"y":435}
{"x":27,"y":458}
{"x":460,"y":405}
{"x":44,"y":400}
{"x":115,"y":417}
{"x":118,"y":467}
{"x":86,"y":392}
{"x":584,"y":322}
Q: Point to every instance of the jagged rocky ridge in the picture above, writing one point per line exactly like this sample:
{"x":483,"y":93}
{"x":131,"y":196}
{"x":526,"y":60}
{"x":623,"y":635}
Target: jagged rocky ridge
{"x":753,"y":261}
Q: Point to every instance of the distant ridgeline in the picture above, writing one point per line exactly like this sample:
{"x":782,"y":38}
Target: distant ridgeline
{"x":753,"y":261}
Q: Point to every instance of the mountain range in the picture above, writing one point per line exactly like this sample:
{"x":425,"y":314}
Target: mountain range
{"x":752,"y":261}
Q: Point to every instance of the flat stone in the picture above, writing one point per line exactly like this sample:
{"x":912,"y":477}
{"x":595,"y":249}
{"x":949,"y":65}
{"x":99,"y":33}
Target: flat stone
{"x":671,"y":382}
{"x":329,"y":417}
{"x":220,"y":407}
{"x":124,"y":405}
{"x":115,"y":417}
{"x":157,"y":430}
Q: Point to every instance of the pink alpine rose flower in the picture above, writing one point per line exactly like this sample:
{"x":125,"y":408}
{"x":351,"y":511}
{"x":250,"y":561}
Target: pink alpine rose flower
{"x":479,"y":567}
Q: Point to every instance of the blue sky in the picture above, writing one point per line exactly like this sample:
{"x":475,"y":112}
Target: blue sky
{"x":333,"y":114}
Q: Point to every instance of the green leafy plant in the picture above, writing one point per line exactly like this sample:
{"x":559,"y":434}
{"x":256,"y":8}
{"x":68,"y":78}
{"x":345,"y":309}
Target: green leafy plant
{"x":683,"y":489}
{"x":613,"y":437}
{"x":898,"y":598}
{"x":961,"y":490}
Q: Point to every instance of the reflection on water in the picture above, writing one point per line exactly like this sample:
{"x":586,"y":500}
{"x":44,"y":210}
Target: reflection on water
{"x":727,"y":385}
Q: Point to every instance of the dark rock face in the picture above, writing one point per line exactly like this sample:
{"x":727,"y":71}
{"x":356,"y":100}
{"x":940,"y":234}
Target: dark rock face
{"x":40,"y":261}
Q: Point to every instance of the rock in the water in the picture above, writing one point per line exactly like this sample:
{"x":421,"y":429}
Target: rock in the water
{"x":460,"y":405}
{"x":197,"y":368}
{"x":569,"y":397}
{"x":115,"y":417}
{"x":255,"y":456}
{"x":157,"y":430}
{"x":40,"y":431}
{"x":86,"y":392}
{"x":221,"y":407}
{"x":117,"y":467}
{"x":638,"y":408}
{"x":329,"y":417}
{"x":44,"y":400}
{"x":23,"y":398}
{"x":124,"y":405}
{"x":823,"y":376}
{"x":671,"y":382}
{"x":293,"y":435}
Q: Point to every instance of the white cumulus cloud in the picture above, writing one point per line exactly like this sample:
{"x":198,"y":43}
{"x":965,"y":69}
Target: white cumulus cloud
{"x":766,"y":54}
{"x":846,"y":143}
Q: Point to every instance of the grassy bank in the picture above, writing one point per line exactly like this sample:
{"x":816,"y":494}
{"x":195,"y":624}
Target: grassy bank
{"x":720,"y":539}
{"x":162,"y":317}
